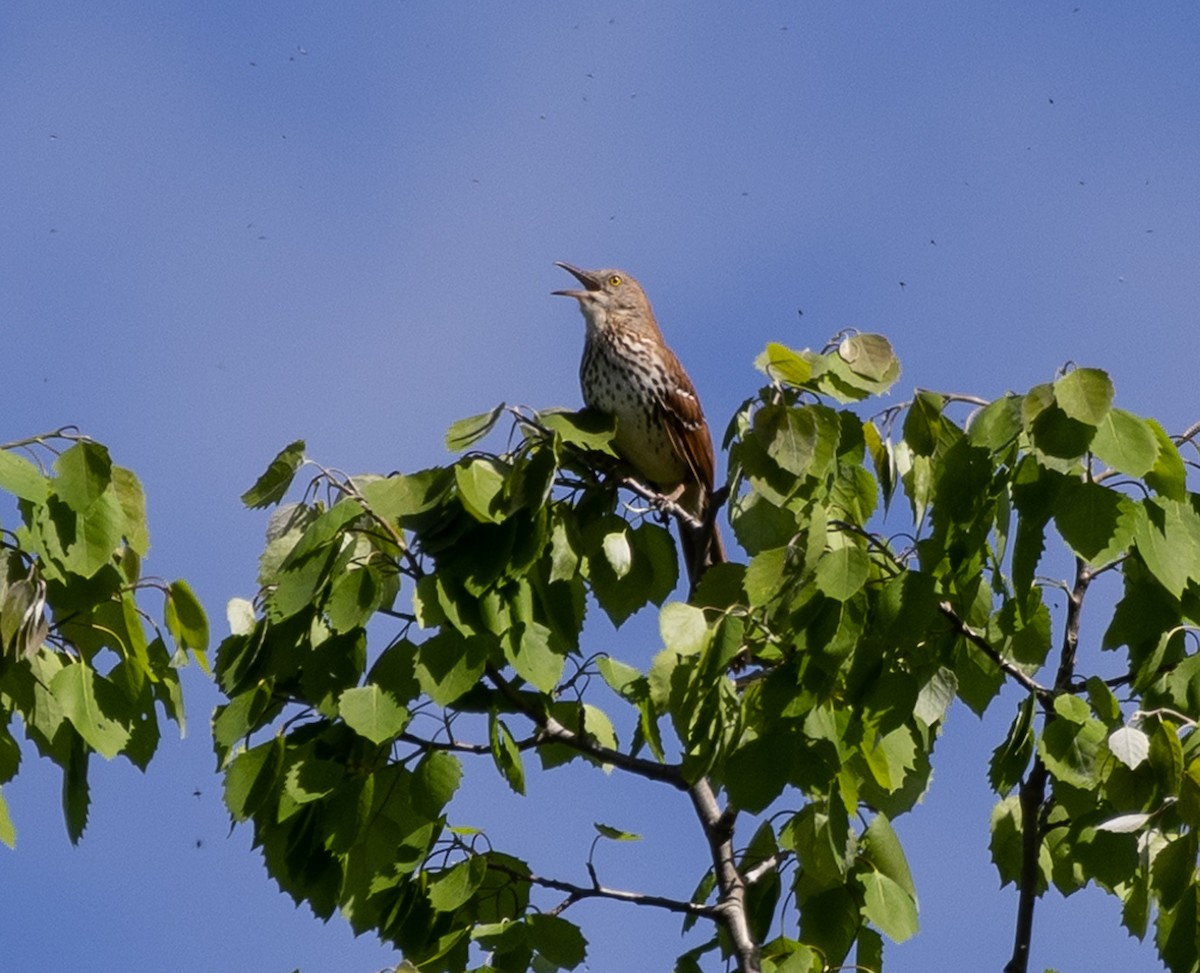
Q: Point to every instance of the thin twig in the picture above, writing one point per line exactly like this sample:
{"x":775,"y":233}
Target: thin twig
{"x":576,"y":893}
{"x":551,"y":730}
{"x":1016,"y":672}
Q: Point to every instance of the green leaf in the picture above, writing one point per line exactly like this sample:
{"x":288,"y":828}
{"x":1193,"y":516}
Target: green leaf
{"x":94,"y":707}
{"x":76,"y":793}
{"x":1126,"y":443}
{"x":757,"y":772}
{"x":251,"y":778}
{"x":1072,"y":708}
{"x":506,"y":754}
{"x":21,"y":478}
{"x":532,"y":654}
{"x":435,"y":782}
{"x":868,"y":955}
{"x":1168,"y":538}
{"x":841,"y":573}
{"x":404,"y":495}
{"x":8,"y":834}
{"x":466,"y":432}
{"x":781,"y":364}
{"x":1104,"y":702}
{"x":935,"y":697}
{"x":888,"y":906}
{"x":882,"y":847}
{"x":1097,"y":523}
{"x":98,"y":531}
{"x":1010,"y":759}
{"x":624,"y":680}
{"x":558,"y":941}
{"x":480,"y":483}
{"x":132,"y":501}
{"x":1071,"y":751}
{"x":453,"y":887}
{"x":1166,"y":756}
{"x":765,"y":575}
{"x":588,"y":429}
{"x":615,"y":834}
{"x":372,"y":712}
{"x":185,"y":617}
{"x":789,"y":435}
{"x":84,"y":474}
{"x":889,"y":755}
{"x":871,"y":356}
{"x":997,"y":424}
{"x":683,"y":628}
{"x":353,"y":598}
{"x":1168,"y":477}
{"x":273,"y":484}
{"x":449,"y":664}
{"x":1085,"y":395}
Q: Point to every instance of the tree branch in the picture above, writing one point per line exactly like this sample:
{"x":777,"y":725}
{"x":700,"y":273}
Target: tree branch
{"x":1033,"y":798}
{"x":731,"y":884}
{"x":1033,"y":789}
{"x":1016,"y":672}
{"x":551,"y":730}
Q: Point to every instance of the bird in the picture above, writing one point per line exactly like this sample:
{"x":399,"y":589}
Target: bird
{"x":628,"y":371}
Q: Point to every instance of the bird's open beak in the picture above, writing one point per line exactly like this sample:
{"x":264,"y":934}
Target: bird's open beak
{"x":589,"y":282}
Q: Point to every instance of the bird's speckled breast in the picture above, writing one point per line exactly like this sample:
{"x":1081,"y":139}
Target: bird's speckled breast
{"x":630,"y":386}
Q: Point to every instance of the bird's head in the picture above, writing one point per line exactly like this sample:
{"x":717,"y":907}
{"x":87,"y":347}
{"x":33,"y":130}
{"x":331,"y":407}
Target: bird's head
{"x":610,"y":297}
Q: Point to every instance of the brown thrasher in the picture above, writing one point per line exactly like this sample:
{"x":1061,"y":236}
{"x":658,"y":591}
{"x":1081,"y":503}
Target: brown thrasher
{"x":629,"y":372}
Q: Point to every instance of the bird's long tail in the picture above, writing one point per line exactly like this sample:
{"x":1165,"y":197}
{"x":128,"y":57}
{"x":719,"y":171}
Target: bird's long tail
{"x":701,"y":547}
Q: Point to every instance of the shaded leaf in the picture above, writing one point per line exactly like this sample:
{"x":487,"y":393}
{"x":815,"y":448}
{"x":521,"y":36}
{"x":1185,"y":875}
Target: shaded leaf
{"x":185,"y":617}
{"x":507,"y":755}
{"x":1097,"y":523}
{"x":589,"y":429}
{"x":841,"y":573}
{"x":273,"y":484}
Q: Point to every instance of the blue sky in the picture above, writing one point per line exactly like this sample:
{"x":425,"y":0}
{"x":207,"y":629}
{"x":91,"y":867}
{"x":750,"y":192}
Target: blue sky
{"x":225,"y":226}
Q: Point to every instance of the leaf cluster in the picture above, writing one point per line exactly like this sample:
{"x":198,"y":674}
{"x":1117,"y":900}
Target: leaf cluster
{"x":82,"y":662}
{"x":406,"y":623}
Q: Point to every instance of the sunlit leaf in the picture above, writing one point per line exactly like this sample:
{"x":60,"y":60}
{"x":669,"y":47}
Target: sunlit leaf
{"x":94,"y":706}
{"x":615,"y":834}
{"x":1126,"y":443}
{"x":185,"y":617}
{"x":372,"y":712}
{"x":781,"y":364}
{"x":21,"y":478}
{"x":1085,"y":394}
{"x":466,"y":432}
{"x":1130,"y":746}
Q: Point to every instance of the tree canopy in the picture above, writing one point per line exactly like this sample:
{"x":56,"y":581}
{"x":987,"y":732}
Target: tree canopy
{"x":898,"y":557}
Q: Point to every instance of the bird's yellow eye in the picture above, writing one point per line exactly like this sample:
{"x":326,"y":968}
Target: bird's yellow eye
{"x":614,"y":280}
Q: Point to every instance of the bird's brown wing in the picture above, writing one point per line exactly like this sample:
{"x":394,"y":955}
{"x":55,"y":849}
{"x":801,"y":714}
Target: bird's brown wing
{"x":686,"y":426}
